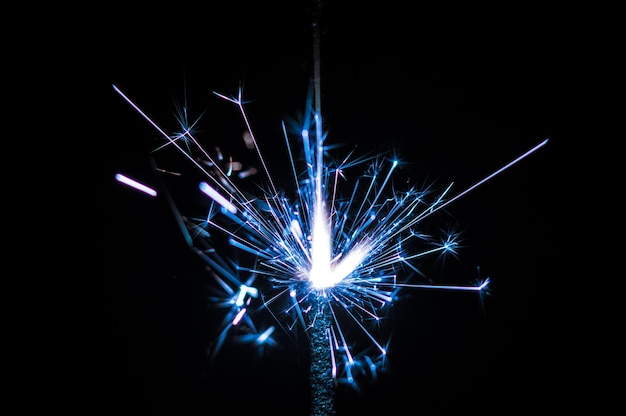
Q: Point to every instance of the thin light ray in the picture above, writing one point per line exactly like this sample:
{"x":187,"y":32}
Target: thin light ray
{"x":134,"y":184}
{"x":217,"y":197}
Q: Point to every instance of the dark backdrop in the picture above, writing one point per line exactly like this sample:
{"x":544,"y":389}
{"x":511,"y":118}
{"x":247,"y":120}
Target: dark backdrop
{"x":456,"y":93}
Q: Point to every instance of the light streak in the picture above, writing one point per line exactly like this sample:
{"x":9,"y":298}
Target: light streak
{"x":323,"y":254}
{"x":134,"y":184}
{"x":213,"y":194}
{"x":239,"y":315}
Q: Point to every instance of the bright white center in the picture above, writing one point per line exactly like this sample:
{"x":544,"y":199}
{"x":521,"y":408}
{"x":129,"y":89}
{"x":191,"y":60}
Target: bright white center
{"x":324,"y":272}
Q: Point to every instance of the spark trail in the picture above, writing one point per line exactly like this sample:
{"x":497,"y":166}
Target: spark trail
{"x":324,"y":261}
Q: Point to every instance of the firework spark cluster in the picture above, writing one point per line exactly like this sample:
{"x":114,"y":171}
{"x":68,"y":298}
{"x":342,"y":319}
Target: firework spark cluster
{"x":338,"y":249}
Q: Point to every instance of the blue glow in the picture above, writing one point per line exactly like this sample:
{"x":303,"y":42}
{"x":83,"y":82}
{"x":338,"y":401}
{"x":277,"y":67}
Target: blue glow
{"x":245,"y":290}
{"x":265,"y":335}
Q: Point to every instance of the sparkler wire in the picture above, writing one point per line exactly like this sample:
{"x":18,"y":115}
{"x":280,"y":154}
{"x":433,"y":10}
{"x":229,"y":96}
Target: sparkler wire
{"x":320,"y":370}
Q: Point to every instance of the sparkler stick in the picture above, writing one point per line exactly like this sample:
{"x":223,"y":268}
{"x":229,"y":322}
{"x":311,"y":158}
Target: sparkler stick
{"x":320,"y":371}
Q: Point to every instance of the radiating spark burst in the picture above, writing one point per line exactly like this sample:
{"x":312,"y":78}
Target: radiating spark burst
{"x":329,"y":252}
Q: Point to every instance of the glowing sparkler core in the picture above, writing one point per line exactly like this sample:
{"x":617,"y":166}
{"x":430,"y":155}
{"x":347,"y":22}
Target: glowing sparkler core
{"x":326,"y":272}
{"x":321,"y":274}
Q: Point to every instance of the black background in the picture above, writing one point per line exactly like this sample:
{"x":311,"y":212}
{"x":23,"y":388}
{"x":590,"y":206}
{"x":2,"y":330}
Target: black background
{"x":456,"y":93}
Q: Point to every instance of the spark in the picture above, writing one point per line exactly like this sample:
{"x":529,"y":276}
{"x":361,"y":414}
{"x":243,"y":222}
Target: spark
{"x":325,"y":255}
{"x":134,"y":184}
{"x":212,"y":193}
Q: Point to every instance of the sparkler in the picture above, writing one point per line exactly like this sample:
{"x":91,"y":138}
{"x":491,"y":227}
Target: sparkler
{"x":322,"y":261}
